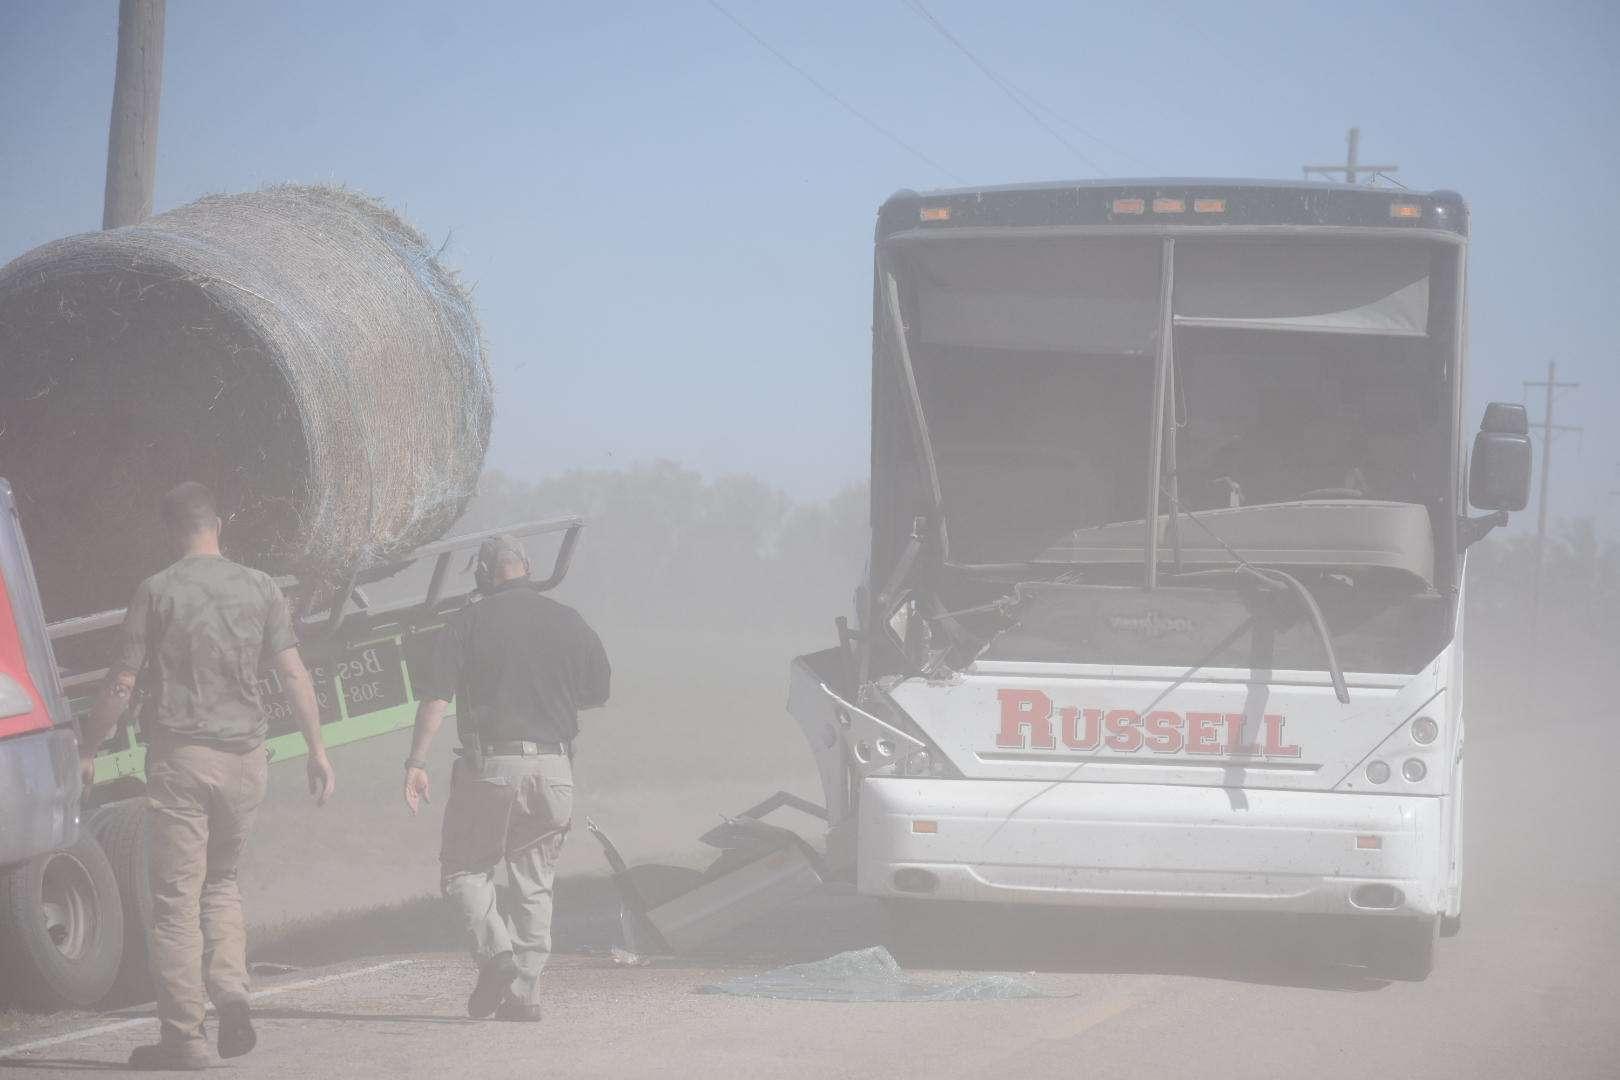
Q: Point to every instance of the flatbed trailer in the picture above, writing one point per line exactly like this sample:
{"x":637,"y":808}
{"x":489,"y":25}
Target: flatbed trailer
{"x":360,"y":655}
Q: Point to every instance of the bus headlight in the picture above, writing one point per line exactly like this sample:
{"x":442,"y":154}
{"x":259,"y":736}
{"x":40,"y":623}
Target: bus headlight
{"x":927,"y":763}
{"x":1425,"y":730}
{"x":1414,"y":770}
{"x":1378,"y":771}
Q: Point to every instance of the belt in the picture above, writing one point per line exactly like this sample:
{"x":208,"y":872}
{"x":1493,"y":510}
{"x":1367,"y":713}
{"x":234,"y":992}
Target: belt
{"x":523,"y":749}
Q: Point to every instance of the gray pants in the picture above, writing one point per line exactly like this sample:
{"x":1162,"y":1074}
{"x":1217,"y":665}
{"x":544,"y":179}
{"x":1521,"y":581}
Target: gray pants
{"x":516,"y":811}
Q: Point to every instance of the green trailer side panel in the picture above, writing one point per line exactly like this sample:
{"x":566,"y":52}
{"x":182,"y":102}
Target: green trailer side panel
{"x":364,"y":690}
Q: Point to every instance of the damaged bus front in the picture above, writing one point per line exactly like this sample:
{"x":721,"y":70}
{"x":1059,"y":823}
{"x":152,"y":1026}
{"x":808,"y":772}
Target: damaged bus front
{"x":1168,"y":541}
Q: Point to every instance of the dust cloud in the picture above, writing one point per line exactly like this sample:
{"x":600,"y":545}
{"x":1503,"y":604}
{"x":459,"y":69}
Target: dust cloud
{"x":703,"y":591}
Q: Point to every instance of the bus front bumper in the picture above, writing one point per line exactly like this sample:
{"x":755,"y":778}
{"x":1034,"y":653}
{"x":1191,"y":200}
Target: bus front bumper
{"x":1147,"y":845}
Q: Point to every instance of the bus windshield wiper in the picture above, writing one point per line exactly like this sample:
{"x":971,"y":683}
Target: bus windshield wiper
{"x":1272,"y":578}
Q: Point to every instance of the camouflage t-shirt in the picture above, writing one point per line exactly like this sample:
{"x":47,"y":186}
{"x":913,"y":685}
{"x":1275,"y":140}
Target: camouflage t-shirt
{"x":196,"y":636}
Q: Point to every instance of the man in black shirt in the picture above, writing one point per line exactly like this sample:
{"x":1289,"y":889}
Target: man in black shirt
{"x":519,"y":666}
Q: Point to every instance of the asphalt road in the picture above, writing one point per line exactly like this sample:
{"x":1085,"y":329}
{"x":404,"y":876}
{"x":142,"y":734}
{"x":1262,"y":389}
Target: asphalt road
{"x":1531,"y":988}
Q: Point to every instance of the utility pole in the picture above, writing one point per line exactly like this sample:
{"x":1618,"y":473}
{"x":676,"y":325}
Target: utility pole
{"x":1549,"y":432}
{"x":132,"y":134}
{"x":1352,"y":170}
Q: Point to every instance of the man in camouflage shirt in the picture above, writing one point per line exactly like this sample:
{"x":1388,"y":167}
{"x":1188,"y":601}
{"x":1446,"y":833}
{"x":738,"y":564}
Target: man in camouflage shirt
{"x":195,"y":638}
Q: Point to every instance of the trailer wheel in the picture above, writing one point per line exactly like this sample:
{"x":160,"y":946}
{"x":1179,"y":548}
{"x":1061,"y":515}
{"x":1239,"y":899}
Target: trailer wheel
{"x":61,"y":927}
{"x":120,"y":829}
{"x":1403,"y":949}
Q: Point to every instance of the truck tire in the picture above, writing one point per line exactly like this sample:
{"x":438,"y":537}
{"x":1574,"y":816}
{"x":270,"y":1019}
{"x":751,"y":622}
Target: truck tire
{"x":61,"y":927}
{"x":120,"y":829}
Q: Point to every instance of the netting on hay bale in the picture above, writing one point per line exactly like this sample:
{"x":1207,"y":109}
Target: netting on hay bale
{"x":299,"y":349}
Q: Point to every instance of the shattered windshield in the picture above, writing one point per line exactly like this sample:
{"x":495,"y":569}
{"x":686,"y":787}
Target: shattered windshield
{"x":1264,"y":417}
{"x":1035,"y":364}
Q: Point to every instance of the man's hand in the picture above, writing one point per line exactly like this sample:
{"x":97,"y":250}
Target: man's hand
{"x":416,"y":789}
{"x":322,"y":780}
{"x":306,"y":712}
{"x":110,"y":704}
{"x":429,"y":715}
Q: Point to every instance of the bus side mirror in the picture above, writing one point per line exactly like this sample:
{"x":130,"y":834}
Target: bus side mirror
{"x":1499,"y":471}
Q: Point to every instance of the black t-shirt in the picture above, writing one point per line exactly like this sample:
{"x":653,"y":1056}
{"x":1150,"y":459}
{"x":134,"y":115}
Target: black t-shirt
{"x":519,"y":666}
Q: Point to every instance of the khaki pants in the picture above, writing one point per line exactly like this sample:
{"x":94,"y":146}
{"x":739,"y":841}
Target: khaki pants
{"x":516,"y":811}
{"x":201,"y":803}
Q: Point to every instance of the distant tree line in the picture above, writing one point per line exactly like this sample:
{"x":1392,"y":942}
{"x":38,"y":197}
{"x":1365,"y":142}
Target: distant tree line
{"x":1580,"y":587}
{"x":667,"y":547}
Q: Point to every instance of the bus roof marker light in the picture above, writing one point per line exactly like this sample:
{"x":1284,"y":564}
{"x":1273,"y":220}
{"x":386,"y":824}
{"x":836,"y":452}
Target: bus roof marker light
{"x":1129,"y":206}
{"x":1169,"y":206}
{"x":1209,"y":206}
{"x":1403,"y":211}
{"x":935,"y":213}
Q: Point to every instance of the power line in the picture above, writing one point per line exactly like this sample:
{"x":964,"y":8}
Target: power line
{"x":1012,"y":92}
{"x":1549,"y":433}
{"x":1066,"y":122}
{"x":828,"y":92}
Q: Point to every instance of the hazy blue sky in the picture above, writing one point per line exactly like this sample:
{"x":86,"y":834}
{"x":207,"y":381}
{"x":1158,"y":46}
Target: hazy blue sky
{"x":669,"y":231}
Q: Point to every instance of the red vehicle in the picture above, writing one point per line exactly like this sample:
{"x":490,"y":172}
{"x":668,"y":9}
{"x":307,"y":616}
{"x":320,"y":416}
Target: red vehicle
{"x":61,"y":921}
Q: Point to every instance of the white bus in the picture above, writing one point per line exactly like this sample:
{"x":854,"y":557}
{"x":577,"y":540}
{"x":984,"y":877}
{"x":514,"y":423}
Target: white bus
{"x":1169,"y":528}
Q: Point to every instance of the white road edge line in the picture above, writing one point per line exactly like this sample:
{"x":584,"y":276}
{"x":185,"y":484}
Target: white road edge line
{"x":120,"y":1025}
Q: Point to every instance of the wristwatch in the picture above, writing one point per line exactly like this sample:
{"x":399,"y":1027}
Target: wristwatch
{"x":415,"y":763}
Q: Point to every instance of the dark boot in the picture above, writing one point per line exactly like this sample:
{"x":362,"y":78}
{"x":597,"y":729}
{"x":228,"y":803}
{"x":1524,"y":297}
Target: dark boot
{"x":494,"y":980}
{"x":518,"y":1011}
{"x":188,"y":1056}
{"x":236,"y":1036}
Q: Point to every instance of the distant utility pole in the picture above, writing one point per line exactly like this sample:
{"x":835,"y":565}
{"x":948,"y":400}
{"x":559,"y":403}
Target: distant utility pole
{"x":1549,"y":432}
{"x":132,"y":135}
{"x":1352,"y":170}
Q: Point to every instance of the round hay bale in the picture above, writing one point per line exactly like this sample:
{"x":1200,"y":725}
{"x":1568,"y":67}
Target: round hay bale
{"x":299,"y":350}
